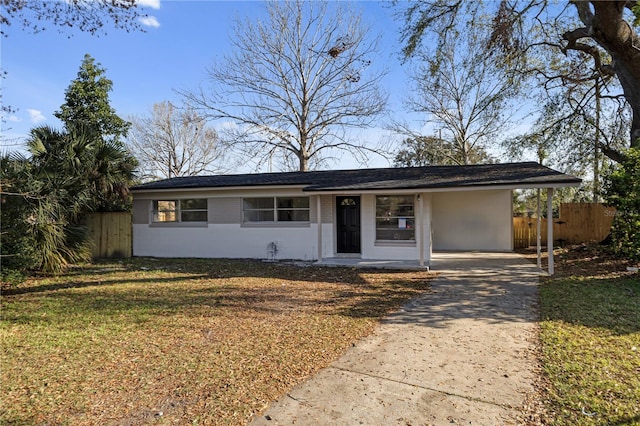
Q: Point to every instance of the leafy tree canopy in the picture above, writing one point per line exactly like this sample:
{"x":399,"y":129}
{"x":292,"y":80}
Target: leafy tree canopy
{"x":623,"y":193}
{"x":538,"y":41}
{"x":430,"y":151}
{"x":87,"y":102}
{"x":85,"y":15}
{"x":70,"y":172}
{"x":45,"y":196}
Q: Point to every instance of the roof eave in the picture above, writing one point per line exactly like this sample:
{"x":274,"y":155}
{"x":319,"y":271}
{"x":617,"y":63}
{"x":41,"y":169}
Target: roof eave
{"x":337,"y":190}
{"x":215,"y":188}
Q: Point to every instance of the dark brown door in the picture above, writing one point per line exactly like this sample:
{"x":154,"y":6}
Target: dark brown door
{"x":348,"y":215}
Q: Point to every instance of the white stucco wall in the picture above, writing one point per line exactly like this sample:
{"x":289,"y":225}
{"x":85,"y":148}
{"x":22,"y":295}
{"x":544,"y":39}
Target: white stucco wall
{"x":224,"y":235}
{"x":224,"y":240}
{"x":472,"y":220}
{"x":328,"y":240}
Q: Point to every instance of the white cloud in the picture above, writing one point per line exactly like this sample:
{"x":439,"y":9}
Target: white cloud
{"x":13,"y":119}
{"x":35,"y":116}
{"x":150,"y":21}
{"x":153,"y":4}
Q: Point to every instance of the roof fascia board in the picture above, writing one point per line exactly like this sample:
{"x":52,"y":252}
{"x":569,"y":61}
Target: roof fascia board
{"x":443,"y":189}
{"x":218,"y":188}
{"x":355,"y":191}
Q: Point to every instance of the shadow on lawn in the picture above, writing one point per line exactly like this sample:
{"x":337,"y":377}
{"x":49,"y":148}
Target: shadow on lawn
{"x":75,"y":284}
{"x":496,"y":294}
{"x":164,"y":287}
{"x":185,"y":268}
{"x":609,"y":303}
{"x":626,"y":421}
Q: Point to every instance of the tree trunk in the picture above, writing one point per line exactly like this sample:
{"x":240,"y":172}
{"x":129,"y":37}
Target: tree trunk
{"x":612,"y":32}
{"x":631,"y":86}
{"x":303,"y":153}
{"x":304,"y":162}
{"x":596,"y":146}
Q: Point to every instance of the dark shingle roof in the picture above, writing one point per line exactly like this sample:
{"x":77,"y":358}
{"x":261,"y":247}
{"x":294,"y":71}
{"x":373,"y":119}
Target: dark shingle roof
{"x":529,"y":173}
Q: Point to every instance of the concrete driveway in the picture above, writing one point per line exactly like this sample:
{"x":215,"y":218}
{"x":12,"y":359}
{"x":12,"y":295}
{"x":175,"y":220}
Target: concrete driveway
{"x":460,"y":354}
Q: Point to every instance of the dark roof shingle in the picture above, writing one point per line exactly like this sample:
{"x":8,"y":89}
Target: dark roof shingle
{"x":528,"y":173}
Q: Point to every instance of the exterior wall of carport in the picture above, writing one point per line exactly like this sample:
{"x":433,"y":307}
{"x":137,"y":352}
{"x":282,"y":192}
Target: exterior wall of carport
{"x":472,"y":220}
{"x":453,"y":220}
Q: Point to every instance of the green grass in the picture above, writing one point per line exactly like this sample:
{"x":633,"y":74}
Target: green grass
{"x":591,"y":349}
{"x":200,"y":341}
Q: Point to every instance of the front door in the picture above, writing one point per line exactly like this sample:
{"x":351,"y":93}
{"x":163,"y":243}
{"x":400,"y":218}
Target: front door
{"x":348,"y":215}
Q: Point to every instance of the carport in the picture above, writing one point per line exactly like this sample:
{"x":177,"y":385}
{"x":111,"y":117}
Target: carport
{"x":433,"y":257}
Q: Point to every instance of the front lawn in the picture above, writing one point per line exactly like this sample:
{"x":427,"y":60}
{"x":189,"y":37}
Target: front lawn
{"x":180,"y":341}
{"x":590,"y":333}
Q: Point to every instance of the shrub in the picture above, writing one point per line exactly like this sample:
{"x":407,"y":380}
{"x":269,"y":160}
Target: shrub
{"x":10,"y":278}
{"x":622,"y":191}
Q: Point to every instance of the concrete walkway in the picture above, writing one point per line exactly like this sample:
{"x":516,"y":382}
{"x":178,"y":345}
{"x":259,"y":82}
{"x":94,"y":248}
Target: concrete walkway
{"x":460,"y":354}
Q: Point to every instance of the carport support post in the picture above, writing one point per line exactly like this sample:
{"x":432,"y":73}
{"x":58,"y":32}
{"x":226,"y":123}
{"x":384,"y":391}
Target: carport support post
{"x":550,"y":229}
{"x":319,"y":220}
{"x":538,"y":231}
{"x":420,"y":230}
{"x":423,"y":230}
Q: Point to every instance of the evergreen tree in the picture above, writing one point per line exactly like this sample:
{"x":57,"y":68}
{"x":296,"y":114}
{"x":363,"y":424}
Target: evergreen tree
{"x":87,"y":102}
{"x":87,"y":111}
{"x":419,"y":151}
{"x":80,"y":169}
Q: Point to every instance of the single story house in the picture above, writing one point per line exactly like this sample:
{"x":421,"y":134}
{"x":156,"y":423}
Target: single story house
{"x":382,"y":213}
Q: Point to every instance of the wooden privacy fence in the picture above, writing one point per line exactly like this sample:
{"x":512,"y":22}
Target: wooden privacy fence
{"x":111,"y":234}
{"x":577,"y":223}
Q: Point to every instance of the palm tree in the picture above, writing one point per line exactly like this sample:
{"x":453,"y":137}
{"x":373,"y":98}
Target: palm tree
{"x":96,"y":171}
{"x":70,"y":173}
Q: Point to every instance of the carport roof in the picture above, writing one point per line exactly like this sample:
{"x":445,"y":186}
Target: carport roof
{"x":527,"y":174}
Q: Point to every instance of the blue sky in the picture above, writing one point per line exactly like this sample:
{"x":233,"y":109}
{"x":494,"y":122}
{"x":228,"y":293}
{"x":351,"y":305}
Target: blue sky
{"x":181,"y":39}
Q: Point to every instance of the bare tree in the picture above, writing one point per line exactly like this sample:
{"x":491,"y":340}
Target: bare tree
{"x":173,"y":142}
{"x":295,"y":84}
{"x":456,"y":88}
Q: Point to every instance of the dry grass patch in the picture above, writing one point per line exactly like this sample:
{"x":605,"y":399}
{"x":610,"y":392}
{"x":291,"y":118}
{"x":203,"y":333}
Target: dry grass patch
{"x":181,"y":341}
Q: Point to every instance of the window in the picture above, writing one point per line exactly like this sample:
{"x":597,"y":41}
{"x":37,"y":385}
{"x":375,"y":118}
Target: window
{"x":395,"y":218}
{"x":276,"y":209}
{"x":258,"y":209}
{"x":164,"y":211}
{"x":293,"y":209}
{"x":189,"y":210}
